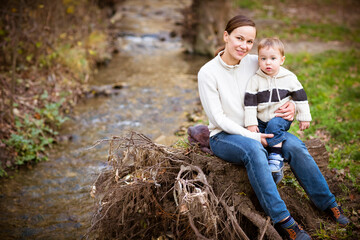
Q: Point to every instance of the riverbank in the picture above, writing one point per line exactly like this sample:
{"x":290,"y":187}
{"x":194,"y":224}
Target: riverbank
{"x":52,"y":199}
{"x":50,"y":53}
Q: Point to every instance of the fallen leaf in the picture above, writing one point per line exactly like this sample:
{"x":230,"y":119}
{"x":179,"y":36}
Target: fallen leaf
{"x":352,"y":197}
{"x":93,"y":191}
{"x":37,"y":116}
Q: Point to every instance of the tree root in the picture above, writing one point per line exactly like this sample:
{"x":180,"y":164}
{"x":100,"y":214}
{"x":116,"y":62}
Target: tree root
{"x":154,"y":190}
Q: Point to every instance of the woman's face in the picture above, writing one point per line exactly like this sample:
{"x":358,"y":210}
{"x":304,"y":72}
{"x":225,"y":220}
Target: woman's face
{"x":238,"y":44}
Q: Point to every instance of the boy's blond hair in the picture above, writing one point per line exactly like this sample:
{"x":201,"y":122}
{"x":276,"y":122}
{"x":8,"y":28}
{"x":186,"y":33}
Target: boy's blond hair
{"x":272,"y":42}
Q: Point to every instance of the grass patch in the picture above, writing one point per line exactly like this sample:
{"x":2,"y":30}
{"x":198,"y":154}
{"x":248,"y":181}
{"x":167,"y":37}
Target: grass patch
{"x":308,"y":31}
{"x":328,"y":232}
{"x":331,"y":81}
{"x":248,"y":4}
{"x":34,"y":133}
{"x":320,"y":20}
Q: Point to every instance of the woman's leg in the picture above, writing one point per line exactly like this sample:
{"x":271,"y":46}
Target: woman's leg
{"x":307,"y":172}
{"x":250,"y":153}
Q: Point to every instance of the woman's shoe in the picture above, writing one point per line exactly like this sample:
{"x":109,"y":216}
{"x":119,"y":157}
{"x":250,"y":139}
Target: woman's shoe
{"x":295,"y":232}
{"x":337,"y":214}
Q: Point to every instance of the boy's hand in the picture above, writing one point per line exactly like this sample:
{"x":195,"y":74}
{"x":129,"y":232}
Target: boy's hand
{"x":253,"y":128}
{"x":304,"y":125}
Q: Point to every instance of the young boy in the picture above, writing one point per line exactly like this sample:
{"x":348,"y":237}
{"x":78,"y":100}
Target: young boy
{"x":270,"y":88}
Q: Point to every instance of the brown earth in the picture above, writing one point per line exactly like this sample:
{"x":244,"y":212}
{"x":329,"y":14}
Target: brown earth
{"x":158,"y":191}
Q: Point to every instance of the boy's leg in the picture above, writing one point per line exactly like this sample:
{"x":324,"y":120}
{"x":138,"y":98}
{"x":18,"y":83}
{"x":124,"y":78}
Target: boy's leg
{"x":262,"y":126}
{"x":277,"y":126}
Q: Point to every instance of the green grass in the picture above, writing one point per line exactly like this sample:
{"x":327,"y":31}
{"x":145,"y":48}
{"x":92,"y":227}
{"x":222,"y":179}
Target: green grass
{"x":332,"y":83}
{"x":302,"y":26}
{"x":308,"y":31}
{"x":327,"y":232}
{"x":34,"y":133}
{"x":248,"y":4}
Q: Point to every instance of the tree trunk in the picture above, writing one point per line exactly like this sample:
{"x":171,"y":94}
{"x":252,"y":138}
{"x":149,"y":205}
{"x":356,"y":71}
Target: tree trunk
{"x":204,"y":29}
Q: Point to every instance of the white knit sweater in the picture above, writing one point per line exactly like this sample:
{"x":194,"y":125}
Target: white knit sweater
{"x":265,"y":94}
{"x":222,"y":91}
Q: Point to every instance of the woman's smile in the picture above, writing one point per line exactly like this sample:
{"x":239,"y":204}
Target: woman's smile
{"x":238,"y":44}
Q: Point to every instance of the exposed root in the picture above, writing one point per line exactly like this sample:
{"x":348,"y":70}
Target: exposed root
{"x":153,"y":190}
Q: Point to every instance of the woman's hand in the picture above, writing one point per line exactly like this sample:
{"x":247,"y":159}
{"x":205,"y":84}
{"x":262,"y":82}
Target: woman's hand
{"x":287,"y":111}
{"x":263,"y":138}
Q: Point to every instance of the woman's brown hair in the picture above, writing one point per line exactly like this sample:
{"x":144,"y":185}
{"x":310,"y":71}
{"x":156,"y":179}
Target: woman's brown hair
{"x":235,"y":22}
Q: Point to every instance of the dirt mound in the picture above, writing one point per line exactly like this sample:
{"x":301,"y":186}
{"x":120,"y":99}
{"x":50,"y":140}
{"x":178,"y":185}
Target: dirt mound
{"x":157,"y":191}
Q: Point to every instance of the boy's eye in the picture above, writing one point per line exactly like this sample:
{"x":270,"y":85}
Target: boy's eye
{"x":250,"y":41}
{"x":263,"y":59}
{"x":273,"y":58}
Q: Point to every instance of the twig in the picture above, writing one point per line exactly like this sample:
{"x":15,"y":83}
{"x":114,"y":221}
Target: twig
{"x":265,"y":228}
{"x":196,"y":231}
{"x":97,"y":221}
{"x":234,"y":222}
{"x":258,"y":221}
{"x":98,"y":142}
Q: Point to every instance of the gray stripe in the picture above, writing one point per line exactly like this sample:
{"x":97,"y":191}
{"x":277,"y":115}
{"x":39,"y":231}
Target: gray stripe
{"x":250,"y":100}
{"x":299,"y":95}
{"x":263,"y":97}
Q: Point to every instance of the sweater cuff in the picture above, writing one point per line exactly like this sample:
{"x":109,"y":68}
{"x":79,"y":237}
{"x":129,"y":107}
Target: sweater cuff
{"x":303,"y":117}
{"x":255,"y":136}
{"x":303,"y":113}
{"x":250,"y":117}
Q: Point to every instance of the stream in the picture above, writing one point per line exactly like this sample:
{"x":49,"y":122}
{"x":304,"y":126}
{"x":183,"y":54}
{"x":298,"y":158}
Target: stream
{"x":52,"y":200}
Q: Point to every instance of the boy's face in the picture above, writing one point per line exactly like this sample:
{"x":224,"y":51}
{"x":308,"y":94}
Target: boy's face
{"x":270,"y":60}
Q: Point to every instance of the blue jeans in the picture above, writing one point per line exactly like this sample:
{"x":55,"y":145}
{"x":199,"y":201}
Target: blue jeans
{"x":277,"y":126}
{"x":250,"y":153}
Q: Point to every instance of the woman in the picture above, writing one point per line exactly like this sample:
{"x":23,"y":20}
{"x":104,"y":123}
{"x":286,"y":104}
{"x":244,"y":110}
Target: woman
{"x":222,"y":83}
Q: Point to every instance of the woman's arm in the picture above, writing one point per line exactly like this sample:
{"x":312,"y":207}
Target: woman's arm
{"x":210,"y":99}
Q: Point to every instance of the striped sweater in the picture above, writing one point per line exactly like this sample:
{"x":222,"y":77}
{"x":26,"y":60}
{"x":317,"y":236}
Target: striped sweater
{"x":265,"y":94}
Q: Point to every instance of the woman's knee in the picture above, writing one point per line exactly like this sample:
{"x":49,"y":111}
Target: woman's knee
{"x":293,"y":146}
{"x":255,"y":146}
{"x":237,"y":149}
{"x":257,"y":153}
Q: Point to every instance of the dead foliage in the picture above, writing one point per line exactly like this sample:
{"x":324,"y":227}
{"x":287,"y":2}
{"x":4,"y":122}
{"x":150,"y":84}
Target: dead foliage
{"x":153,"y":190}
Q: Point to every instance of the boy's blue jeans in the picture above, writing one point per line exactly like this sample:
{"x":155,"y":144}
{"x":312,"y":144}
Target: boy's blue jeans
{"x":250,"y":153}
{"x":277,"y":126}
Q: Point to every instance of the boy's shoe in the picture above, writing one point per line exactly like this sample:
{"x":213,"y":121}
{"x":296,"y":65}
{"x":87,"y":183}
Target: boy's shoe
{"x":337,"y":214}
{"x":276,"y":164}
{"x":296,"y":232}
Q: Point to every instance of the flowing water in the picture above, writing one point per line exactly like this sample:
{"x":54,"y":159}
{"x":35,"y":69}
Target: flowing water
{"x":52,"y":200}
